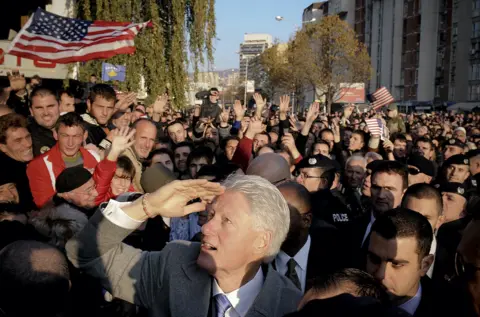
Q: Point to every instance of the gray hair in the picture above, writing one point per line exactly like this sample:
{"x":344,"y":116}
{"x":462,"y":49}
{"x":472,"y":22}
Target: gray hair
{"x":356,"y":158}
{"x":267,"y":206}
{"x":373,"y":155}
{"x":59,"y":223}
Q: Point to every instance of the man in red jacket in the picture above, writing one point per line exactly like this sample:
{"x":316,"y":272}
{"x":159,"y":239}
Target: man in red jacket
{"x":42,"y":172}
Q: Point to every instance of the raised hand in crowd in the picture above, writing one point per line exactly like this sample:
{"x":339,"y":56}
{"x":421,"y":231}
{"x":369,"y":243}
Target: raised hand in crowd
{"x":239,"y":110}
{"x":260,"y":102}
{"x":283,"y":106}
{"x":294,"y":124}
{"x":254,"y":127}
{"x":17,"y":81}
{"x":125,"y":100}
{"x":289,"y":142}
{"x":224,"y":116}
{"x":312,"y":114}
{"x":159,"y":106}
{"x":171,"y":200}
{"x":122,"y":140}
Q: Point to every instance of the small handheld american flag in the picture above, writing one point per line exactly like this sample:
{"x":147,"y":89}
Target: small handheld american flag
{"x":375,"y":126}
{"x":50,"y":37}
{"x":381,"y":97}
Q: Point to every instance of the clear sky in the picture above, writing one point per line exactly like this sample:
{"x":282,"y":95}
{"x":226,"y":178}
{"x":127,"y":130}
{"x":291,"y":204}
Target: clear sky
{"x":237,"y":17}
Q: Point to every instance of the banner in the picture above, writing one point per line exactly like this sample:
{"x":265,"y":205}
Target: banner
{"x":113,"y":72}
{"x":250,"y":86}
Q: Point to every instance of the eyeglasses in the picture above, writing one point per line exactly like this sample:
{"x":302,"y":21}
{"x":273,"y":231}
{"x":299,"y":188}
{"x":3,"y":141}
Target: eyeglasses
{"x":413,"y":171}
{"x":306,"y":176}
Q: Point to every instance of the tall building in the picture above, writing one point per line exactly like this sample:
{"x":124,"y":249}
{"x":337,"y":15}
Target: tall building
{"x":315,"y":12}
{"x":252,"y":46}
{"x":422,"y":50}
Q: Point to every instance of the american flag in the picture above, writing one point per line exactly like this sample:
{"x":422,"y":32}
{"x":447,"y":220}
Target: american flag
{"x":381,"y":97}
{"x":50,"y":37}
{"x":375,"y":126}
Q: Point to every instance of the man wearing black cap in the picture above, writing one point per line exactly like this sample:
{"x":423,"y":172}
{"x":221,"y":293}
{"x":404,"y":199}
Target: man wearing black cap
{"x":317,"y":173}
{"x":453,"y":147}
{"x":456,"y":168}
{"x":420,"y":170}
{"x":454,"y":197}
{"x":76,"y":187}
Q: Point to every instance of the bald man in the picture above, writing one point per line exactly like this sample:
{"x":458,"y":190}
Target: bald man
{"x":303,"y":255}
{"x":271,"y":166}
{"x":34,"y":279}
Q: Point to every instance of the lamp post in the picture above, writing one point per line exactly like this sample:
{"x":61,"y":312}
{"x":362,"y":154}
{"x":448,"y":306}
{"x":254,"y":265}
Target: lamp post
{"x":247,"y":58}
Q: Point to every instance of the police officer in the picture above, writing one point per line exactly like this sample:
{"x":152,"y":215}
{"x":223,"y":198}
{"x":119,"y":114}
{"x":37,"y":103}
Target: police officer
{"x":317,"y":174}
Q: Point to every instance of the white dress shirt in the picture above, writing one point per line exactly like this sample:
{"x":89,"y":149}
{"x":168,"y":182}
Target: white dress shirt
{"x":433,"y":250}
{"x":411,"y":305}
{"x":369,"y":228}
{"x":281,"y":262}
{"x":114,"y":213}
{"x":241,"y":299}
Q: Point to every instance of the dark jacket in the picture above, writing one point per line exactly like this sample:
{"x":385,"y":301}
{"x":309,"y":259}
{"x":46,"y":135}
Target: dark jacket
{"x":19,"y":105}
{"x":208,"y":109}
{"x":16,"y":172}
{"x":42,"y":138}
{"x":329,"y":208}
{"x":438,"y":299}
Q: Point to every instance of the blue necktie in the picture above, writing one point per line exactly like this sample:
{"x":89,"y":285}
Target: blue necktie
{"x":222,"y":303}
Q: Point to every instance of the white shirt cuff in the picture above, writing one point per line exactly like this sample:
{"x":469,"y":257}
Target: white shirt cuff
{"x":114,"y":213}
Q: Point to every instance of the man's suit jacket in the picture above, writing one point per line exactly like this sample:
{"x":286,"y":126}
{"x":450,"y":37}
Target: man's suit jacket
{"x":438,"y":299}
{"x":352,"y":237}
{"x":169,"y":282}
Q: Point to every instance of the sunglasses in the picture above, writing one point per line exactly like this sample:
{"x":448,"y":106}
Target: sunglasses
{"x":413,"y":171}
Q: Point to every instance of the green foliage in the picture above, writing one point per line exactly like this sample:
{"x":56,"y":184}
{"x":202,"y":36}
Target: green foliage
{"x":181,"y":28}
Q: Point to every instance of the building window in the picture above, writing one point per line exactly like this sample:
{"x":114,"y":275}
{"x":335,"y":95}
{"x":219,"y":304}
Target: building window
{"x":452,"y":92}
{"x":475,"y":71}
{"x":476,"y":4}
{"x":476,"y":29}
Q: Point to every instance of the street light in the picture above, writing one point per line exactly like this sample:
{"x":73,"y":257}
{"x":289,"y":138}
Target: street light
{"x":279,"y":18}
{"x":247,"y":58}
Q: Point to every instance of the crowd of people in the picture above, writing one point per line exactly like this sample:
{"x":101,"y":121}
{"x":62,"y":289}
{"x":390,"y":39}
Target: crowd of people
{"x":110,"y":207}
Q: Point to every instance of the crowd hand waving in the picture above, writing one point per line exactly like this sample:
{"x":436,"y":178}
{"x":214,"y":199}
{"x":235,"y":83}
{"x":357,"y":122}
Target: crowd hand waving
{"x":171,"y":200}
{"x":336,"y":129}
{"x":125,"y":100}
{"x":17,"y":81}
{"x":289,"y":142}
{"x":122,"y":140}
{"x":260,"y":102}
{"x":239,"y":110}
{"x":160,"y":103}
{"x":313,"y":112}
{"x":254,"y":127}
{"x":388,"y":146}
{"x":283,"y":106}
{"x":294,"y":124}
{"x":197,"y":110}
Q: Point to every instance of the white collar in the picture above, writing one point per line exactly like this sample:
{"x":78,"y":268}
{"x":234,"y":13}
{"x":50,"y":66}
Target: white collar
{"x":301,"y":257}
{"x":412,"y":304}
{"x":242,"y":298}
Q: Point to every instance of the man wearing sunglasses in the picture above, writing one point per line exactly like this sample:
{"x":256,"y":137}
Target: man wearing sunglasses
{"x":420,"y":170}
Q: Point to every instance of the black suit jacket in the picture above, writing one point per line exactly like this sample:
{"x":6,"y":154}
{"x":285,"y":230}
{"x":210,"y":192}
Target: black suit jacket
{"x":438,"y":299}
{"x":352,"y":237}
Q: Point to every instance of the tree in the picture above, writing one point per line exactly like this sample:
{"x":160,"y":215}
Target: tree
{"x":181,"y":28}
{"x":330,"y":56}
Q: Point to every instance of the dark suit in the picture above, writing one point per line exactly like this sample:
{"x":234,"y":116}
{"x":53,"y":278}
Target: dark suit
{"x":352,"y":237}
{"x":438,"y":299}
{"x":167,"y":283}
{"x":448,"y":238}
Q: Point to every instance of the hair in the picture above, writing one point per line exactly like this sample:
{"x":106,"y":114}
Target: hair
{"x":267,"y":206}
{"x":159,"y":152}
{"x":400,"y":137}
{"x":268,"y":136}
{"x":374,"y":156}
{"x":71,"y":119}
{"x":425,"y":140}
{"x":405,"y":223}
{"x":356,"y":158}
{"x":201,"y":152}
{"x":365,"y":285}
{"x":127,"y":165}
{"x":11,"y":121}
{"x":42,"y":92}
{"x":393,"y":167}
{"x":363,"y":135}
{"x":173,"y":123}
{"x":102,"y":90}
{"x":37,"y":78}
{"x":325,"y":130}
{"x":223,"y":143}
{"x":301,"y":193}
{"x":64,"y":92}
{"x":320,"y":141}
{"x":424,"y":191}
{"x":59,"y":224}
{"x":35,"y":279}
{"x":182,"y":144}
{"x":270,"y":146}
